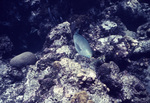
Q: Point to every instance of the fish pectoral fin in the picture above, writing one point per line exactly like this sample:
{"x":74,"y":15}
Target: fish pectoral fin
{"x":77,"y":47}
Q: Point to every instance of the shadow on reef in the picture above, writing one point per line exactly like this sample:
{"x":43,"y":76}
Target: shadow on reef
{"x":24,"y":33}
{"x":115,"y":88}
{"x":138,"y":56}
{"x":131,"y":17}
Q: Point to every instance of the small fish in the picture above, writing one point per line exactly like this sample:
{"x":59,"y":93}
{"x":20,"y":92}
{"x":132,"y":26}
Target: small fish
{"x":81,"y":45}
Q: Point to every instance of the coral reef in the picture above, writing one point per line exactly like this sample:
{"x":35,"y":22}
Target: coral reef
{"x":117,"y":32}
